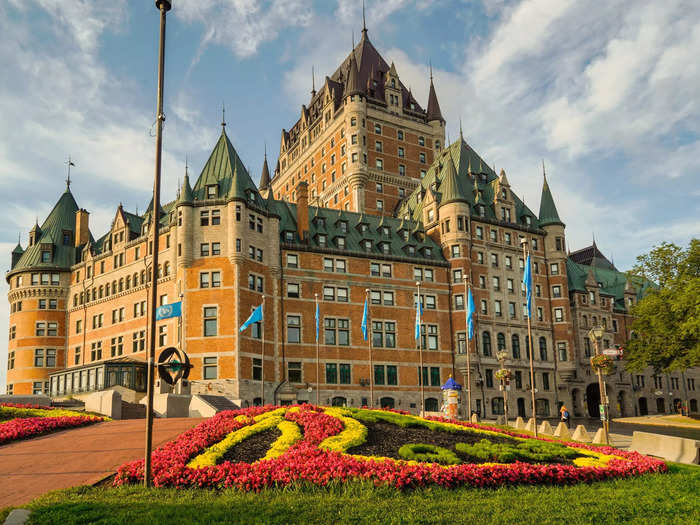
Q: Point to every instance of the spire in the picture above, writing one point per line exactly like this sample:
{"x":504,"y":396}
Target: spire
{"x":548,"y":211}
{"x":352,"y":86}
{"x":313,"y":82}
{"x":433,"y":112}
{"x":461,"y":135}
{"x":364,"y":25}
{"x":186,"y":195}
{"x":223,"y":117}
{"x":70,"y":163}
{"x":265,"y":176}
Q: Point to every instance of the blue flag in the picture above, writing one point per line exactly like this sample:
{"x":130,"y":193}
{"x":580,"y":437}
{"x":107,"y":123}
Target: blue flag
{"x":365,"y":315}
{"x":419,"y":313}
{"x":317,"y":318}
{"x":255,"y":317}
{"x":470,"y":314}
{"x":167,"y":311}
{"x":527,"y":281}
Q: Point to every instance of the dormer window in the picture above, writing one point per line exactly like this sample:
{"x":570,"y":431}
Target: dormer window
{"x":504,"y":194}
{"x":428,"y":252}
{"x":431,"y":216}
{"x":212,"y":191}
{"x":385,"y":231}
{"x":405,"y":234}
{"x":289,"y":236}
{"x":386,"y":247}
{"x":363,"y":228}
{"x":367,"y":245}
{"x":322,"y":240}
{"x":411,"y":250}
{"x":321,"y":222}
{"x":481,"y":210}
{"x":527,"y":220}
{"x":393,"y":82}
{"x":45,"y":256}
{"x":67,"y":238}
{"x":343,"y":226}
{"x":340,"y":242}
{"x":483,"y":177}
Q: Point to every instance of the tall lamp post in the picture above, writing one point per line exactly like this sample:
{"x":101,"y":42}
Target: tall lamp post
{"x":595,"y":334}
{"x":526,"y":260}
{"x":421,"y":376}
{"x":163,"y":6}
{"x":466,"y":347}
{"x":504,"y":379}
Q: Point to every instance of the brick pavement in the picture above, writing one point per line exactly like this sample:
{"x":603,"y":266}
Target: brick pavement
{"x":79,"y":456}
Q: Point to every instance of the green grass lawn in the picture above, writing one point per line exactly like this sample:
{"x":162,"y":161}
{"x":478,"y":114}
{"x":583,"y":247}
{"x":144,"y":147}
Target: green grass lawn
{"x":655,"y":499}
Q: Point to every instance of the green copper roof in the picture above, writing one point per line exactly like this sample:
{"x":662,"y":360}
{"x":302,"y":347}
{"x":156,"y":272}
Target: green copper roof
{"x":478,"y":188}
{"x":186,"y":194}
{"x":548,"y":211}
{"x":226,"y":171}
{"x":328,"y":222}
{"x":451,"y":188}
{"x":18,"y":249}
{"x":49,"y":237}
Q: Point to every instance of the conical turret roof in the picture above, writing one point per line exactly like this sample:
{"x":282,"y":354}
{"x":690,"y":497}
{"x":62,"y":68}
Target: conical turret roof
{"x":433,"y":112}
{"x":548,"y":211}
{"x":451,"y":188}
{"x":186,"y":194}
{"x":352,"y":85}
{"x":265,"y":176}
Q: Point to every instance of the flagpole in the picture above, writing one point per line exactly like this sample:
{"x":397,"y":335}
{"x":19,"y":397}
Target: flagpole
{"x":467,"y":339}
{"x":369,"y":348}
{"x":529,"y":334}
{"x":318,"y":373}
{"x":420,"y":354}
{"x":163,"y":6}
{"x":262,"y":354}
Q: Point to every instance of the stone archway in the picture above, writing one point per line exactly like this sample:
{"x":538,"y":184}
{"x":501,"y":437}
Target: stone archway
{"x":643,"y":407}
{"x":593,"y":400}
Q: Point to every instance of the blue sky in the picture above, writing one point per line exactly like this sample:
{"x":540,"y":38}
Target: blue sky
{"x":604,"y":92}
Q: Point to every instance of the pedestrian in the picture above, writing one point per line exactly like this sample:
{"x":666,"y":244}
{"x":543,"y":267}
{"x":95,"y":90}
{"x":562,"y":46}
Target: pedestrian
{"x":564,"y":415}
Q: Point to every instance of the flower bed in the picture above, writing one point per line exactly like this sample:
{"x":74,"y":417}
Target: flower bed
{"x":26,"y":421}
{"x":314,"y":448}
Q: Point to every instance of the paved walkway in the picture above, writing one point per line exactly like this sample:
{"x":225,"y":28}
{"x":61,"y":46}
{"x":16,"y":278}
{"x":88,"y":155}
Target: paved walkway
{"x":81,"y":456}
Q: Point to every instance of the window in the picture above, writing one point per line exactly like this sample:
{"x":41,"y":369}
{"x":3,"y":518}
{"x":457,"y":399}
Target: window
{"x":294,"y":372}
{"x":204,"y":280}
{"x":459,"y":302}
{"x":518,"y":379}
{"x":117,"y":346}
{"x":421,"y":158}
{"x":378,"y":146}
{"x":379,"y":164}
{"x":204,"y":218}
{"x":39,"y":357}
{"x":486,"y":343}
{"x":497,"y":311}
{"x":292,"y":260}
{"x":380,"y":204}
{"x":292,"y":289}
{"x":162,"y":335}
{"x":455,"y":250}
{"x":331,"y":373}
{"x":429,"y":340}
{"x":543,"y":349}
{"x":561,"y":350}
{"x":210,"y":321}
{"x":385,"y":374}
{"x":138,"y":341}
{"x":257,"y":369}
{"x":336,"y":331}
{"x":540,"y":314}
{"x":640,"y":381}
{"x":496,"y":283}
{"x":556,"y":291}
{"x":96,"y":351}
{"x":489,"y":378}
{"x":204,"y":249}
{"x":421,"y":141}
{"x":384,"y":334}
{"x":494,"y":260}
{"x":377,"y":129}
{"x":515,"y":344}
{"x":554,"y":268}
{"x":558,"y":314}
{"x":293,"y":328}
{"x":209,"y":368}
{"x":493,"y":234}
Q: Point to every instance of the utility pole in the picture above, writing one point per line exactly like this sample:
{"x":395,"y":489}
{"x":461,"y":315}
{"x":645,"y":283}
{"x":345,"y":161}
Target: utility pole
{"x":163,"y":6}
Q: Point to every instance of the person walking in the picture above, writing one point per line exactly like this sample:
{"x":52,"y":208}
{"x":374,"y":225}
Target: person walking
{"x":564,"y":415}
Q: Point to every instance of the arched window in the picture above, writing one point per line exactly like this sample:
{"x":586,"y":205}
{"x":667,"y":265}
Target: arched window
{"x":497,"y":406}
{"x":339,"y":401}
{"x":107,"y":290}
{"x":585,"y":321}
{"x":515,"y":342}
{"x":486,"y":343}
{"x":100,"y":291}
{"x":114,"y":286}
{"x":128,"y":282}
{"x":543,"y":349}
{"x":501,"y":341}
{"x":542,"y":407}
{"x":431,"y":404}
{"x":160,"y":271}
{"x":166,"y":269}
{"x":143,"y":276}
{"x":121,"y":284}
{"x":135,"y":279}
{"x":595,"y":321}
{"x":527,"y":346}
{"x":94,"y":294}
{"x":75,"y":299}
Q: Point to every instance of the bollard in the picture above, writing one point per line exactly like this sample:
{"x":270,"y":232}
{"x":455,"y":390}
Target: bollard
{"x":580,"y":434}
{"x":545,"y":428}
{"x":562,"y":431}
{"x":519,"y":423}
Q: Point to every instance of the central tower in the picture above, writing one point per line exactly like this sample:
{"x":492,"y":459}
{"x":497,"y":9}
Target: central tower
{"x":363,"y":143}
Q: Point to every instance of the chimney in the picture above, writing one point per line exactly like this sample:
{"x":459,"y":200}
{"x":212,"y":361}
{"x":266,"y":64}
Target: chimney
{"x":302,"y":191}
{"x":82,"y":233}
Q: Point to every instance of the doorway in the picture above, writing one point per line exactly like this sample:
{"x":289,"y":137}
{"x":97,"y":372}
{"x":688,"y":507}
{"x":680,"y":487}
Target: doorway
{"x":643,"y":408}
{"x":593,"y":399}
{"x":660,"y":405}
{"x":521,"y":407}
{"x":621,"y":403}
{"x":575,"y":409}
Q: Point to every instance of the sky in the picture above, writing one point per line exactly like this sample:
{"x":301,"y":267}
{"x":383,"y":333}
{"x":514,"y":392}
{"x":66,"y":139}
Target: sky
{"x":604,"y":93}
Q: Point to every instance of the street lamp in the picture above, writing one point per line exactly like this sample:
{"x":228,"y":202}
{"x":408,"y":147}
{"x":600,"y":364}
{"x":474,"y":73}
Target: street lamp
{"x":595,"y":334}
{"x":503,"y":376}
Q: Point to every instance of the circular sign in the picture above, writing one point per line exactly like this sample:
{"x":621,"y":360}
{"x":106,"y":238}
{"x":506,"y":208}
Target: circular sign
{"x":173,"y":365}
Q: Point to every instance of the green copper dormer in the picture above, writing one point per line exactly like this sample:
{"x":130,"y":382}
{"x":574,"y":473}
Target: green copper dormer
{"x":548,"y":211}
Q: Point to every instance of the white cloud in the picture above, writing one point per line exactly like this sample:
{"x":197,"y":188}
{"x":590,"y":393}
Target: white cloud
{"x":243,"y":25}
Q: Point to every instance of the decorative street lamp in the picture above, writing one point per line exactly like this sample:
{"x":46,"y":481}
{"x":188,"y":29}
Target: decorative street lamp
{"x":503,"y":375}
{"x":601,"y":363}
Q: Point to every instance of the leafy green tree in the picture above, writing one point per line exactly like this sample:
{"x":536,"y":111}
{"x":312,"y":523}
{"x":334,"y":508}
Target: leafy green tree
{"x":666,"y":328}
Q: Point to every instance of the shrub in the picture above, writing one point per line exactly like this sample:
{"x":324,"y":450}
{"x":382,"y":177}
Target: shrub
{"x":428,"y":454}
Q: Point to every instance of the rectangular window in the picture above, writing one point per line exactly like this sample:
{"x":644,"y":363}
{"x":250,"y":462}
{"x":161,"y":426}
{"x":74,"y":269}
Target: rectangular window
{"x":257,"y":369}
{"x":293,"y":290}
{"x":215,"y":217}
{"x":293,"y":328}
{"x":204,"y":218}
{"x":210,"y":321}
{"x":162,"y":335}
{"x":558,"y":314}
{"x":489,"y":378}
{"x":561,"y":349}
{"x":204,"y":280}
{"x":545,"y":380}
{"x":204,"y":249}
{"x":292,"y":260}
{"x":294,"y":372}
{"x":209,"y":368}
{"x":554,"y":268}
{"x":331,"y":373}
{"x":39,"y":357}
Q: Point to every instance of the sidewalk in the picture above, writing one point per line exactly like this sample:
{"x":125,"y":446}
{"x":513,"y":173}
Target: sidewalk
{"x":79,"y":456}
{"x":673,"y":420}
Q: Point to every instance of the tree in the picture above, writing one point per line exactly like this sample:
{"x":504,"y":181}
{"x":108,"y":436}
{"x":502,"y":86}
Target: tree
{"x":666,"y":328}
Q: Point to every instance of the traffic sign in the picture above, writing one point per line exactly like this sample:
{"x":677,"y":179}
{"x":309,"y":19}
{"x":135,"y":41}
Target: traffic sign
{"x":612,"y":352}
